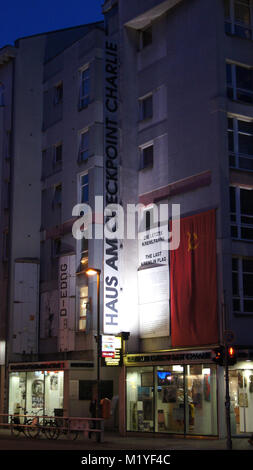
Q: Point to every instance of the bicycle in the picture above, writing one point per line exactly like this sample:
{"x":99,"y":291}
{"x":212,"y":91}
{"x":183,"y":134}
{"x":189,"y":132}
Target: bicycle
{"x":56,"y":426}
{"x":17,"y":427}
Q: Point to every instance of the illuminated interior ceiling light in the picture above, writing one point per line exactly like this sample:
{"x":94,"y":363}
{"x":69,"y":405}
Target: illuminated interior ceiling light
{"x":91,"y":271}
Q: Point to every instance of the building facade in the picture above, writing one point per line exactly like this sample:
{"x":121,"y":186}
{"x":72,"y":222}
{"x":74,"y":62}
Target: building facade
{"x":185,"y":80}
{"x":151,"y":110}
{"x":57,"y":135}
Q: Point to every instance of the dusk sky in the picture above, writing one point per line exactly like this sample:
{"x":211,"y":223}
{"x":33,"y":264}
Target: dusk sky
{"x":21,"y":18}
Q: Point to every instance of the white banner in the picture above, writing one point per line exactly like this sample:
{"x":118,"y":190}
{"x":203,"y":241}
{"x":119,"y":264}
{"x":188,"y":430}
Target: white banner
{"x":66,"y":337}
{"x":111,"y":318}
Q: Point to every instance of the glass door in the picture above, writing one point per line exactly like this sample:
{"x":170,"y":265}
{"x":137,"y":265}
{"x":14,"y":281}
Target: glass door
{"x":170,"y":399}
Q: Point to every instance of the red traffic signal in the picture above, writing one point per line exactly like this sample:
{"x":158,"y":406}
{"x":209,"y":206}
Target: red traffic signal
{"x":232,"y":356}
{"x":218,"y":356}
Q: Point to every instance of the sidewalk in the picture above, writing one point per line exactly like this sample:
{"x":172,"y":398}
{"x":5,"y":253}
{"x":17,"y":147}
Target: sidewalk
{"x":113,"y":441}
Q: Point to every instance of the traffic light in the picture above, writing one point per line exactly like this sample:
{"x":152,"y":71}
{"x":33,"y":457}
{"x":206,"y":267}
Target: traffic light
{"x":218,"y":356}
{"x":232,"y":356}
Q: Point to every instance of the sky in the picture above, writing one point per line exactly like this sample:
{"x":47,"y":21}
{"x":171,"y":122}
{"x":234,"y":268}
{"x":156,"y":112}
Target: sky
{"x":21,"y":18}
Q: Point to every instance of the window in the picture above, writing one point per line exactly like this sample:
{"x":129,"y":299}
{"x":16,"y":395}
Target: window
{"x":240,"y":143}
{"x":83,"y":308}
{"x":84,"y":188}
{"x":146,"y":37}
{"x":238,"y":17}
{"x":58,"y":154}
{"x":84,"y":88}
{"x":58,"y":195}
{"x":242,"y":281}
{"x":146,"y":157}
{"x":146,"y":107}
{"x":84,"y":146}
{"x":58,"y":93}
{"x":241,"y":213}
{"x":240,"y":83}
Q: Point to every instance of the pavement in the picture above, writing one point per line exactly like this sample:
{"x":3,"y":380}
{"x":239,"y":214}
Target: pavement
{"x":113,"y":441}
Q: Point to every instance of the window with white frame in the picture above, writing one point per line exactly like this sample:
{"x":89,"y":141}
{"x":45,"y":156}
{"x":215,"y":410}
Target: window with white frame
{"x":240,"y":143}
{"x":84,"y":188}
{"x":240,"y":82}
{"x":146,"y":156}
{"x":84,"y":146}
{"x":242,"y":281}
{"x":239,"y":17}
{"x":84,"y":96}
{"x":146,"y":107}
{"x":83,"y":308}
{"x":241,"y":213}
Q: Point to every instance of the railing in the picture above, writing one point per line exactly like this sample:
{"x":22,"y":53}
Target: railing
{"x":52,"y":426}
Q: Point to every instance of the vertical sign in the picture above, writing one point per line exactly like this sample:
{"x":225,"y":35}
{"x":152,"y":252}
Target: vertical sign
{"x":111,"y":188}
{"x":66,"y":303}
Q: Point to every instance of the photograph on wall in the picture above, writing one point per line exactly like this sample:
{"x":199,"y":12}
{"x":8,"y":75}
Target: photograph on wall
{"x":54,"y":382}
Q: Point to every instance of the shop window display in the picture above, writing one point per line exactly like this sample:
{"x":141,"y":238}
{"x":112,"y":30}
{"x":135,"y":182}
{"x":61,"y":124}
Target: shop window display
{"x":37,"y":392}
{"x":172,"y":399}
{"x":140,"y":386}
{"x":241,"y":396}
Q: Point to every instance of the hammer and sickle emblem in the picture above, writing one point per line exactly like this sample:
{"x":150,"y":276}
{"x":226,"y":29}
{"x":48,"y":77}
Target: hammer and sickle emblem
{"x":192,"y":241}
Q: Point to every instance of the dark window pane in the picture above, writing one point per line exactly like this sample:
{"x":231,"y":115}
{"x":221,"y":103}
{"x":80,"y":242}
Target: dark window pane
{"x":246,"y":200}
{"x":230,"y":141}
{"x":235,"y":283}
{"x":246,"y":163}
{"x":147,"y":37}
{"x":236,"y":305}
{"x":232,"y":199}
{"x":248,"y":306}
{"x":235,"y":264}
{"x":247,"y":285}
{"x":246,"y":127}
{"x":247,"y":233}
{"x":229,"y":74}
{"x":232,"y":160}
{"x":242,"y":13}
{"x":226,"y":8}
{"x":245,"y":144}
{"x":244,"y":78}
{"x":234,"y":232}
{"x":148,"y":156}
{"x":247,"y":266}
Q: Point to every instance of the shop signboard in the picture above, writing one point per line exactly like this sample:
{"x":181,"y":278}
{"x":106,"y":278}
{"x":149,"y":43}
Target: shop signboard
{"x":66,"y":278}
{"x":111,"y":319}
{"x":111,"y":350}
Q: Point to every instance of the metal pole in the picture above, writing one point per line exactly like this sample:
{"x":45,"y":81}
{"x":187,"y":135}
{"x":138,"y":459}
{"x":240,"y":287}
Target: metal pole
{"x":98,"y":344}
{"x":227,"y":402}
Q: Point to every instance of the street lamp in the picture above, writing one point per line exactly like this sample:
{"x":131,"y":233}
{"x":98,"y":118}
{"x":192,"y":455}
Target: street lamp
{"x":96,"y":272}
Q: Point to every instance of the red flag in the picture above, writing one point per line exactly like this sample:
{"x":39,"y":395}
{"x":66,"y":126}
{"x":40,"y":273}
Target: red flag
{"x":194,"y":320}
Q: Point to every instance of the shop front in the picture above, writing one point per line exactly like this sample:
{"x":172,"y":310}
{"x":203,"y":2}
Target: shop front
{"x":174,"y":396}
{"x":41,"y":388}
{"x":241,"y":398}
{"x":36,"y":388}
